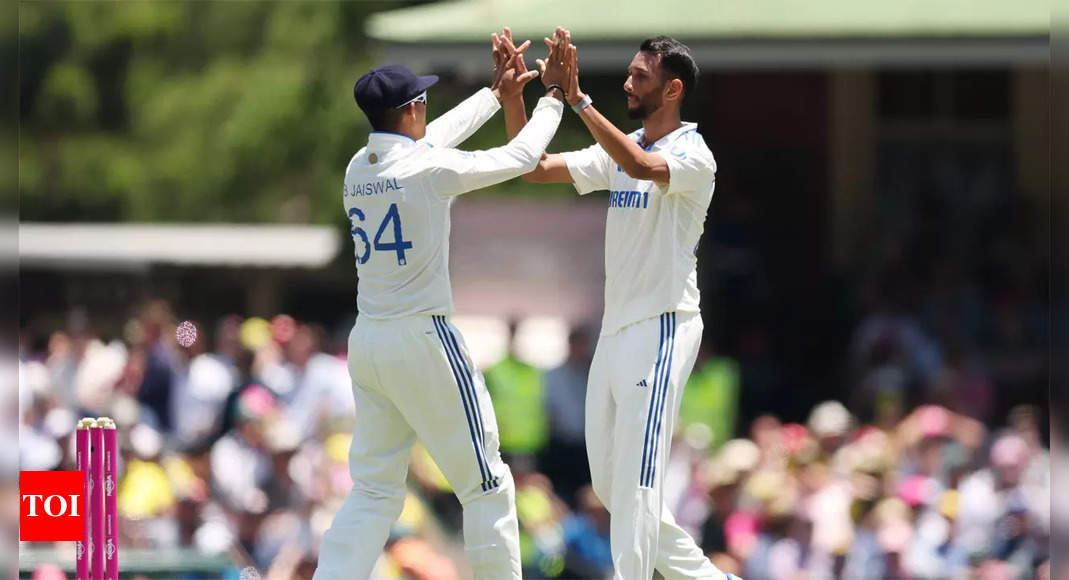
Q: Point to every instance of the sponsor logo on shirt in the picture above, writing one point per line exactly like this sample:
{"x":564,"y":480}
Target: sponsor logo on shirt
{"x":629,"y":199}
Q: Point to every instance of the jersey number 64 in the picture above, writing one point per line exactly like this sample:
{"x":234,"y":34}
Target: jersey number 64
{"x":399,"y":244}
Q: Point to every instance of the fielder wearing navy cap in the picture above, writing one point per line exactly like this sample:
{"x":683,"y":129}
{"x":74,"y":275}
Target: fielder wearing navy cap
{"x":389,"y":86}
{"x":403,"y":183}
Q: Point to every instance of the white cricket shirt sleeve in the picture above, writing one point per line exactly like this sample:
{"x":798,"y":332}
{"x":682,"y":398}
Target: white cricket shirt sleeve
{"x":591,"y":168}
{"x":452,"y":172}
{"x":457,"y":124}
{"x":691,"y":167}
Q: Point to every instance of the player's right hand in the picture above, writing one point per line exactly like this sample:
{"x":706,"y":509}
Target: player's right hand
{"x":555,"y":68}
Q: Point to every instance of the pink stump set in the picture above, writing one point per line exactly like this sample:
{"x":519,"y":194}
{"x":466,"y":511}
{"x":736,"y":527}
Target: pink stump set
{"x":98,"y":553}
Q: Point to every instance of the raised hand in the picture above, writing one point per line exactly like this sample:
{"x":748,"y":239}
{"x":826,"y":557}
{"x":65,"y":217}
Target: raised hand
{"x":502,"y":49}
{"x":572,"y":91}
{"x":510,"y":71}
{"x":555,"y":68}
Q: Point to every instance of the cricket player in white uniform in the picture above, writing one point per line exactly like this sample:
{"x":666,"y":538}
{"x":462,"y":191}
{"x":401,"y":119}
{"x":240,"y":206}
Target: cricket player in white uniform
{"x":660,"y":180}
{"x":411,"y":371}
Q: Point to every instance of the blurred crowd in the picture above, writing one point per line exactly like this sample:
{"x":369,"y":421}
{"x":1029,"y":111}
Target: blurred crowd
{"x":936,"y":495}
{"x":236,"y":442}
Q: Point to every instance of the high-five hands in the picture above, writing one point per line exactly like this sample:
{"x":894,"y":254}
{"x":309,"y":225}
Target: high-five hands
{"x":561,"y":66}
{"x":572,"y":91}
{"x":563,"y":54}
{"x":510,"y":71}
{"x":555,"y":69}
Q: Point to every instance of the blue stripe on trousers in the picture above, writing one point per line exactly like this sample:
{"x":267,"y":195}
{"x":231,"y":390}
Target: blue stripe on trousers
{"x":490,"y":482}
{"x":665,"y":380}
{"x":463,"y":396}
{"x":646,"y":451}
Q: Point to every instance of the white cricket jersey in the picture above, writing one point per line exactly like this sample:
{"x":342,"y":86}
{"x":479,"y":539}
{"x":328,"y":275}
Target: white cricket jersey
{"x":398,"y":192}
{"x":652,"y":230}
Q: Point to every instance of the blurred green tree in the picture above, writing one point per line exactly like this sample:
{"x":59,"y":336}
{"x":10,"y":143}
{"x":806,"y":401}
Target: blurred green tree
{"x":203,"y":111}
{"x":188,"y":111}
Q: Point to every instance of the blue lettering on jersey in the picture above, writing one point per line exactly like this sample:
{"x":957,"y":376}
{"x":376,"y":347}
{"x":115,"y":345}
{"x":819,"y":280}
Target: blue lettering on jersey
{"x":630,"y":199}
{"x":371,"y":188}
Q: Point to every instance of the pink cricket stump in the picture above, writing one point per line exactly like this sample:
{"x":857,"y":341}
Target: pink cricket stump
{"x":96,"y":500}
{"x":81,"y":547}
{"x":111,"y":514}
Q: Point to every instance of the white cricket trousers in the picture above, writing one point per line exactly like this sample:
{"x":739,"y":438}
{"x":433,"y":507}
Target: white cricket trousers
{"x":413,"y":378}
{"x":635,"y":386}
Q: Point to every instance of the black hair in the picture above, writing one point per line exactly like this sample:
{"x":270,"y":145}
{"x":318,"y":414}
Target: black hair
{"x":385,"y":119}
{"x":676,"y":61}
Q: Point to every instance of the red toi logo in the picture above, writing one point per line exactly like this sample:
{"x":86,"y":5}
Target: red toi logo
{"x":52,"y":506}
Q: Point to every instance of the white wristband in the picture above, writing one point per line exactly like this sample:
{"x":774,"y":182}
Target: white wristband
{"x":583,"y":103}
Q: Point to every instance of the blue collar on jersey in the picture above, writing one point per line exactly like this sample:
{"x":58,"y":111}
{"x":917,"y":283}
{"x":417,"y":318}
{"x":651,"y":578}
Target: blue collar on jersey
{"x":681,"y":130}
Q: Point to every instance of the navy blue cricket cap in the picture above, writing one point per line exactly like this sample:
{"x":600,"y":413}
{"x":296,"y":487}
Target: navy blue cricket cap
{"x":389,"y":86}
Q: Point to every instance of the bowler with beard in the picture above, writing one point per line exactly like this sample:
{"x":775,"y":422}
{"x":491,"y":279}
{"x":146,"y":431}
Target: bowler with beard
{"x":660,"y":181}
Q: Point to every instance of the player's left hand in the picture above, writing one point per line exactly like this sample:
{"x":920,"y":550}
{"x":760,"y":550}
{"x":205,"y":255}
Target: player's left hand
{"x":571,"y":55}
{"x":510,"y":71}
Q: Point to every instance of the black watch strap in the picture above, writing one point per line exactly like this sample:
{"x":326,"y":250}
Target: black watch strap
{"x":558,"y":87}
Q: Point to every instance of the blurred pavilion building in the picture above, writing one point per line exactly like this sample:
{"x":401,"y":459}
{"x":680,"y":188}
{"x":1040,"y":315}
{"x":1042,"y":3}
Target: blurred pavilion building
{"x":839,"y":128}
{"x":850,"y":137}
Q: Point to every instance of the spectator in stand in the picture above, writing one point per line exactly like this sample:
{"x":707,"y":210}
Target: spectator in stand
{"x":202,"y":383}
{"x":586,"y":539}
{"x":933,"y":494}
{"x":712,"y":394}
{"x":564,"y":459}
{"x":240,"y":465}
{"x":157,"y":338}
{"x":516,"y":390}
{"x":314,"y":386}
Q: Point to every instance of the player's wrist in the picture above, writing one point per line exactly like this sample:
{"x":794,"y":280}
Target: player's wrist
{"x":574,"y":97}
{"x":507,"y":99}
{"x":580,"y":101}
{"x":556,"y":91}
{"x":515,"y":98}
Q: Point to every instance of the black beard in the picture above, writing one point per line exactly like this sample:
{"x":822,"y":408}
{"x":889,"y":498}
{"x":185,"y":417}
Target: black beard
{"x":637,"y":113}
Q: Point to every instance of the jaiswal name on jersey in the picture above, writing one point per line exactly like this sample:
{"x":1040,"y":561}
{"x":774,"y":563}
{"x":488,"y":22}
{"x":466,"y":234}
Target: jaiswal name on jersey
{"x":371,"y":188}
